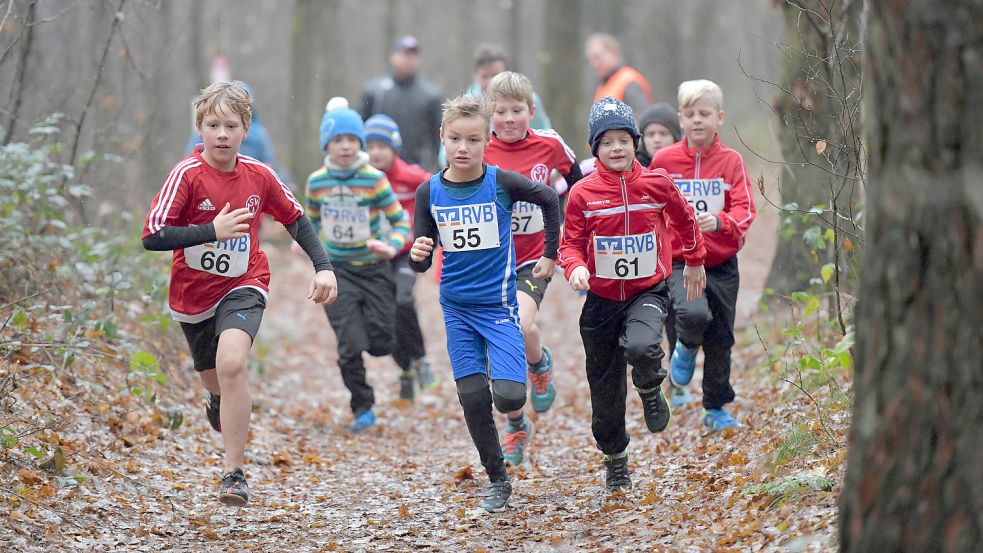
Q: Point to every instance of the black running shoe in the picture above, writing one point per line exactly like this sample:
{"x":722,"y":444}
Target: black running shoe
{"x":212,"y":405}
{"x":618,"y":477}
{"x":407,"y":390}
{"x":495,"y":495}
{"x":235,"y":491}
{"x":655,"y":409}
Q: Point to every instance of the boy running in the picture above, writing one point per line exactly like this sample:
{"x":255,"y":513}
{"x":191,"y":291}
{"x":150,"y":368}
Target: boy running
{"x":347,"y":200}
{"x":468,"y":208}
{"x":615,"y":246}
{"x":383,"y":142}
{"x":533,"y":154}
{"x":207,"y":213}
{"x":714,"y":181}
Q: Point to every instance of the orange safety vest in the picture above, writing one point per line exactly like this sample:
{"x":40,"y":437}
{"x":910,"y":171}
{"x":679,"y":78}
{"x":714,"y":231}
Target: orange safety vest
{"x":617,"y":83}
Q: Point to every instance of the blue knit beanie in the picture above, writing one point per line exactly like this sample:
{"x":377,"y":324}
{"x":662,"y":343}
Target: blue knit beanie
{"x":382,"y":127}
{"x":341,"y":121}
{"x":609,"y":114}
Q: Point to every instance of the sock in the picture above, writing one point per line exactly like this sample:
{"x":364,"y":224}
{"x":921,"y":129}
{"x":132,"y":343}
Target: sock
{"x":533,"y":367}
{"x":517,"y":424}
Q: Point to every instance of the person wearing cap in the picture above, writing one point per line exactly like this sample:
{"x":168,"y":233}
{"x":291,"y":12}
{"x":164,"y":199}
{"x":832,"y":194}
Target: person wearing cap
{"x":346,"y":201}
{"x":383,"y":142}
{"x":411,"y":101}
{"x":616,"y":79}
{"x":616,"y":247}
{"x":659,"y":126}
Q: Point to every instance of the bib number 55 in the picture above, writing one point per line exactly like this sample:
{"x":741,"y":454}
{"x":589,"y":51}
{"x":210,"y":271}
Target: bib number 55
{"x":469,"y":238}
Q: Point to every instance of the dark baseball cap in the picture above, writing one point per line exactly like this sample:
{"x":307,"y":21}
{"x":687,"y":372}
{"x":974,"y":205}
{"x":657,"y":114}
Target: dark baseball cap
{"x":406,"y":43}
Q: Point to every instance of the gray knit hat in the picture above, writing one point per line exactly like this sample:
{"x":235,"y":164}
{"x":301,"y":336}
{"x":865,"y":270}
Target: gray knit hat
{"x":608,"y":114}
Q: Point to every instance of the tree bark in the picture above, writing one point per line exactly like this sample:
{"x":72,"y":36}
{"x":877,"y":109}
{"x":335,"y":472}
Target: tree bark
{"x":562,"y":66}
{"x":913,"y":478}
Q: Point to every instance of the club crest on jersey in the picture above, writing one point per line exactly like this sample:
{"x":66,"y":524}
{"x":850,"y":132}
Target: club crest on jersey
{"x":469,"y":215}
{"x":539,"y":173}
{"x":252,"y":204}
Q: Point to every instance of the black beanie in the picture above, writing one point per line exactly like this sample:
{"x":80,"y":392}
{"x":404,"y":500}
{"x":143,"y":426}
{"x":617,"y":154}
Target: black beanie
{"x":663,"y":114}
{"x":609,"y":114}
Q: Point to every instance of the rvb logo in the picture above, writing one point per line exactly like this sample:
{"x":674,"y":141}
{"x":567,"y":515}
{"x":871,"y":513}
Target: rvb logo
{"x":625,"y":245}
{"x":468,"y":215}
{"x":539,"y":173}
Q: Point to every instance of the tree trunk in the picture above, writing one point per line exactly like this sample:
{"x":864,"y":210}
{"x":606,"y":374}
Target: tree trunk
{"x":562,"y":66}
{"x":812,"y":107}
{"x":913,"y":478}
{"x":316,"y":75}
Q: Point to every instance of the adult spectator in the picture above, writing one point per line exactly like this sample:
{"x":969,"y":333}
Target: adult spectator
{"x":603,"y":53}
{"x":411,"y":101}
{"x":490,"y":60}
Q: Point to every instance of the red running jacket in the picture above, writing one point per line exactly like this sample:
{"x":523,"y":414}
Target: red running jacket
{"x":616,"y":226}
{"x":713,"y":180}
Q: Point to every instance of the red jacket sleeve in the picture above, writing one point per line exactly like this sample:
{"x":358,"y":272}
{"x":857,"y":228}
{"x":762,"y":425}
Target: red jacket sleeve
{"x":166,"y":207}
{"x":573,"y":244}
{"x":737,"y":217}
{"x":682,"y":220}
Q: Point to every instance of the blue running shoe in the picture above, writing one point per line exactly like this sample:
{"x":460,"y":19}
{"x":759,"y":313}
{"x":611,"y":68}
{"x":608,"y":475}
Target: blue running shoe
{"x":683,"y":364}
{"x":679,"y":395}
{"x":363,"y":421}
{"x":718,"y":419}
{"x":542,"y":394}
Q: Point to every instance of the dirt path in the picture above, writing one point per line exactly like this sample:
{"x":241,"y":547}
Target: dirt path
{"x":410,"y":483}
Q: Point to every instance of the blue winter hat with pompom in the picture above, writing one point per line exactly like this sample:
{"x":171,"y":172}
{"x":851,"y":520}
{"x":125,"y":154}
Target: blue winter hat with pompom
{"x":341,"y":121}
{"x":610,"y":114}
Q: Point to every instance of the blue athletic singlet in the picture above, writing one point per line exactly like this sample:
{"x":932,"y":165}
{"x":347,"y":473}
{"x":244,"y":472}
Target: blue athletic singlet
{"x":476,"y":233}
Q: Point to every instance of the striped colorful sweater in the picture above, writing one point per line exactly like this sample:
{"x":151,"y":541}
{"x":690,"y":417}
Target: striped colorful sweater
{"x":347,"y":206}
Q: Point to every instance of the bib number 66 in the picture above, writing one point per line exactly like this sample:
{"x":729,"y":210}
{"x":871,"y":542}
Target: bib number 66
{"x":219,"y":262}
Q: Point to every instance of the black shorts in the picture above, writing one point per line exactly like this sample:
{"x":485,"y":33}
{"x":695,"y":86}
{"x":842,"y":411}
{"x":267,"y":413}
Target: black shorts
{"x":532,"y":286}
{"x":241,"y":308}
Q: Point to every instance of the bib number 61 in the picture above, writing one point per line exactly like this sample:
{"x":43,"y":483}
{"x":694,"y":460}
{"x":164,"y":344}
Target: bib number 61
{"x":626,"y":269}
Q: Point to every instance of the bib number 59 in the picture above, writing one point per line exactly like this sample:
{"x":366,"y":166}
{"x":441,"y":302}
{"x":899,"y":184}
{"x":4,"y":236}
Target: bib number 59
{"x":220,"y":262}
{"x":623,"y":268}
{"x":471,"y":239}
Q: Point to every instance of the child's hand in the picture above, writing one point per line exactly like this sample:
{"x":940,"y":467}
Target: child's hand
{"x":422,"y":248}
{"x":694,"y":280}
{"x":580,"y":279}
{"x":381,"y":248}
{"x":708,"y":222}
{"x":231,"y":224}
{"x":295,"y":247}
{"x":545,"y":268}
{"x":324,"y":288}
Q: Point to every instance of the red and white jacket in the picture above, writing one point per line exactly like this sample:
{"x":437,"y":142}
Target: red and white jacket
{"x":714,"y":164}
{"x":405,"y":178}
{"x":636,"y":202}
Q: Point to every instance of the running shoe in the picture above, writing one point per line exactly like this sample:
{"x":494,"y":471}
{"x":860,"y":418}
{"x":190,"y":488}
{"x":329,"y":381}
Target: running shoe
{"x":541,"y":393}
{"x":235,"y":491}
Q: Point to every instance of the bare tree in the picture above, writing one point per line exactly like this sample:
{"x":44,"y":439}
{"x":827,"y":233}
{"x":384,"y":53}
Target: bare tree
{"x":823,"y":176}
{"x":913,"y":475}
{"x":562,"y":65}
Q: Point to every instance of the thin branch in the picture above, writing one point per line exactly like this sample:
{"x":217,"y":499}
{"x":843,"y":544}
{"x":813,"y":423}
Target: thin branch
{"x":15,"y":302}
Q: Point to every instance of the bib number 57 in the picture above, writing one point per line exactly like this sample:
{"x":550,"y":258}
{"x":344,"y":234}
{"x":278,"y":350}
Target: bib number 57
{"x":219,"y":262}
{"x":460,"y":239}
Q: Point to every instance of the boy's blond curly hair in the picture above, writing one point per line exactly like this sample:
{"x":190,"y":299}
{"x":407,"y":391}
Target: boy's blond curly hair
{"x":465,"y":106}
{"x":233,"y":94}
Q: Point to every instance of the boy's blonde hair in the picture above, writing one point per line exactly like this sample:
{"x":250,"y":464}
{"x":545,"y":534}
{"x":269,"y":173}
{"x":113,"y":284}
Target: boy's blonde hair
{"x":691,"y":91}
{"x":509,"y":84}
{"x":465,"y":106}
{"x":234,"y":94}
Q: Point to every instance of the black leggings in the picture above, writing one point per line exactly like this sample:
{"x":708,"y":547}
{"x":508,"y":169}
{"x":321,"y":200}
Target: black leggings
{"x":477,"y":400}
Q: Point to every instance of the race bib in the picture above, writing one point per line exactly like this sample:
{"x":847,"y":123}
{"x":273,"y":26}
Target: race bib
{"x":704,"y":195}
{"x":228,"y":258}
{"x":345,"y":224}
{"x":467,"y":228}
{"x":527,"y":218}
{"x":625,"y":257}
